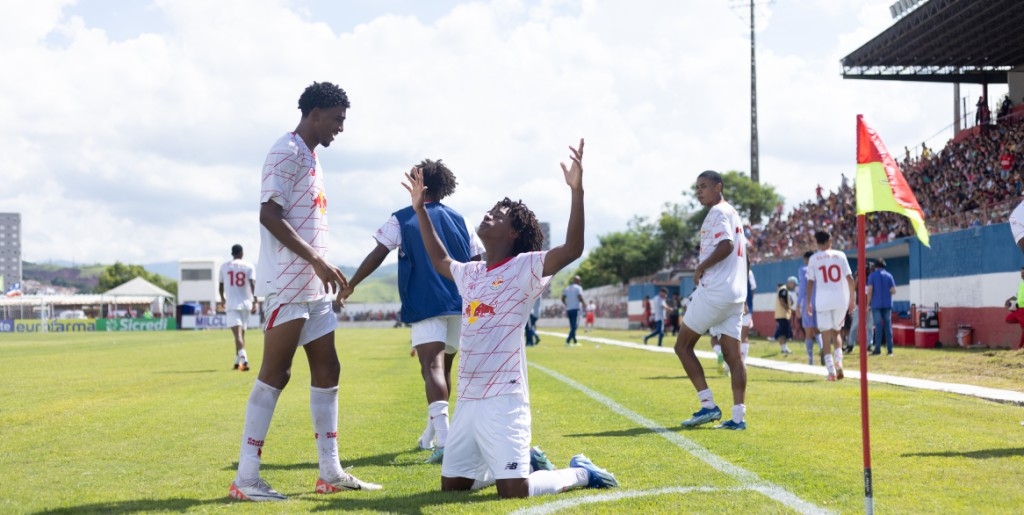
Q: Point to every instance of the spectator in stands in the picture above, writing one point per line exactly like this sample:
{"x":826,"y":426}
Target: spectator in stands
{"x":1004,"y":108}
{"x":880,"y":289}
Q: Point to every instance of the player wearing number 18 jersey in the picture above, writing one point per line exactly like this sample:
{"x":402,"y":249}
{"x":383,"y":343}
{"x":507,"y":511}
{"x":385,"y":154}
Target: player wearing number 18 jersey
{"x":830,"y":297}
{"x":238,"y":294}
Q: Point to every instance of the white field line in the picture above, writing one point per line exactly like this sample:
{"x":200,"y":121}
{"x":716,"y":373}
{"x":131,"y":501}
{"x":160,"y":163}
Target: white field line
{"x":747,"y":479}
{"x":615,"y":495}
{"x":992,"y":394}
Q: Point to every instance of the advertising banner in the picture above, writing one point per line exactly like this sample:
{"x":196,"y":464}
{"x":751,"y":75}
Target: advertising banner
{"x":135,"y":324}
{"x":52,"y":326}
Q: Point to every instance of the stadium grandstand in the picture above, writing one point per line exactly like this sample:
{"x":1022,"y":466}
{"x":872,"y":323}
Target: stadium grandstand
{"x":973,"y":180}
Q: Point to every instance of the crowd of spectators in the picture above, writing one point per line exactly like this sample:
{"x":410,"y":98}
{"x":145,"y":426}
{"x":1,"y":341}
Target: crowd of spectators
{"x":972,"y":181}
{"x":367,"y":316}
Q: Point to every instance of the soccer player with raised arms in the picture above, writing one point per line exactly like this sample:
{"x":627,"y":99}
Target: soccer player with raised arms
{"x":490,"y":433}
{"x":716,"y":305}
{"x":297,"y":282}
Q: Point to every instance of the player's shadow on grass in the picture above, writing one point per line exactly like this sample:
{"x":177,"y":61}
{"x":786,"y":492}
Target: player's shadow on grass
{"x":633,"y":431}
{"x":794,"y":381}
{"x":982,"y":454}
{"x":210,"y":371}
{"x":664,"y":378}
{"x":379,"y":460}
{"x":419,"y":502}
{"x":137,"y":506}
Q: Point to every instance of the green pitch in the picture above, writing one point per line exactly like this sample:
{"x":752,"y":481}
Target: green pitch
{"x":151,"y":422}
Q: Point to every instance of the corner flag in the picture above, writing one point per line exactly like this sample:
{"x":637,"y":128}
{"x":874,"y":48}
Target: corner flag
{"x":880,"y":183}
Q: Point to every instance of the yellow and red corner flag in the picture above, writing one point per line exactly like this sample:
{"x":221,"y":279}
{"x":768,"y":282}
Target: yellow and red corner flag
{"x":880,"y":183}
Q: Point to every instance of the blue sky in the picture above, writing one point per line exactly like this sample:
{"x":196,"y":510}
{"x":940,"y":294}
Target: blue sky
{"x":135,"y":131}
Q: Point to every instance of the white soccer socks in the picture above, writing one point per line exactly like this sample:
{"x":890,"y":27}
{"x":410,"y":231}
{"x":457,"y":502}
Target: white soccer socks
{"x":546,"y":482}
{"x":706,"y":399}
{"x":258,"y":412}
{"x":438,"y":413}
{"x":323,"y":404}
{"x":739,"y":411}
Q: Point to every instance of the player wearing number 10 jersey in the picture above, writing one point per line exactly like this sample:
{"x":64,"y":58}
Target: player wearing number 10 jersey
{"x":238,"y":295}
{"x":830,"y":296}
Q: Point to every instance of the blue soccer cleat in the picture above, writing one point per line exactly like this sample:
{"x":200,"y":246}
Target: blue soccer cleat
{"x":729,"y":424}
{"x":599,"y":477}
{"x":437,"y":456}
{"x":704,"y":416}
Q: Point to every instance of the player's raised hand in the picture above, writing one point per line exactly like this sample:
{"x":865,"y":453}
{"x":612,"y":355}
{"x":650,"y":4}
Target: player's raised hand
{"x":574,"y":172}
{"x":415,"y":187}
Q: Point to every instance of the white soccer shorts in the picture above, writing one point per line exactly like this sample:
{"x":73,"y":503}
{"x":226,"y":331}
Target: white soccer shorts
{"x":489,"y":438}
{"x":445,"y":329}
{"x":237,"y":317}
{"x":831,"y":319}
{"x":718,"y":319}
{"x":320,"y":318}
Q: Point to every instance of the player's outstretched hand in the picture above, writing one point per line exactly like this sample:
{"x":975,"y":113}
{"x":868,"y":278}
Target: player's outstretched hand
{"x":574,"y":172}
{"x":415,"y":187}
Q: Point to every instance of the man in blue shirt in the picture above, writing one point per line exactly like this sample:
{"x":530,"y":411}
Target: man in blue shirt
{"x":880,"y":289}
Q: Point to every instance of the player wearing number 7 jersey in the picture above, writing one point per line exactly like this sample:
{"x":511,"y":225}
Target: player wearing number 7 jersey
{"x":830,"y":296}
{"x":238,"y":294}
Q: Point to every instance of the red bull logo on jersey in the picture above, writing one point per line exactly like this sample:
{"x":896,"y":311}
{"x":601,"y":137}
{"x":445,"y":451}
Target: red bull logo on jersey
{"x":495,"y":284}
{"x":320,"y":202}
{"x":476,"y":310}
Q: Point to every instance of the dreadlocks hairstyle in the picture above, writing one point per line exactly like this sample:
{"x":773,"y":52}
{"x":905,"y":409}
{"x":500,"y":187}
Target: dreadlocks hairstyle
{"x":323,"y":95}
{"x":525,"y":223}
{"x":438,"y":179}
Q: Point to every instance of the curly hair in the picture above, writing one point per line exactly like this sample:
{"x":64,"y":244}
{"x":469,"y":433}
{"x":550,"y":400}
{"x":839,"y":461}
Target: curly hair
{"x":439,"y":180}
{"x":525,"y":223}
{"x":323,"y":95}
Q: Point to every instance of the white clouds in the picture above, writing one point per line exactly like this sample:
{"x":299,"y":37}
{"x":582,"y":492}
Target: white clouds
{"x":148,"y":148}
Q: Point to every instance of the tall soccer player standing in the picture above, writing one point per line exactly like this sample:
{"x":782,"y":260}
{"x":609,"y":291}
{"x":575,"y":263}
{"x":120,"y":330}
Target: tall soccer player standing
{"x":430,"y":303}
{"x":830,"y":289}
{"x":297,"y":282}
{"x":490,"y":434}
{"x":239,"y":299}
{"x":716,"y":305}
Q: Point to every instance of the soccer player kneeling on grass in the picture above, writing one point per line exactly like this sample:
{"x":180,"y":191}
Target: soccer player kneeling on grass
{"x":489,"y":439}
{"x":716,"y":305}
{"x":830,"y":297}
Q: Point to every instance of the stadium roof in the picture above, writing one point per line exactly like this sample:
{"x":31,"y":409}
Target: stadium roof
{"x":966,"y":41}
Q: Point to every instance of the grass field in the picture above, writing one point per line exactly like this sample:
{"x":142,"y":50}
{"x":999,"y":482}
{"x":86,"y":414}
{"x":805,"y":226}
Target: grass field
{"x":150,"y":422}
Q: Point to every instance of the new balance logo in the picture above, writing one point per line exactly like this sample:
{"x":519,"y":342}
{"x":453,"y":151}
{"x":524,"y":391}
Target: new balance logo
{"x":512,"y":465}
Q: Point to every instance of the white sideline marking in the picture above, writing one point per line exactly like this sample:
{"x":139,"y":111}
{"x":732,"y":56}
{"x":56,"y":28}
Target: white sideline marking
{"x":746,"y":478}
{"x":982,"y":392}
{"x":615,"y":495}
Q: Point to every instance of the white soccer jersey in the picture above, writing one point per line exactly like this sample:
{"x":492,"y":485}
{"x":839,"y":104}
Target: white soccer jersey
{"x":293,"y":179}
{"x":829,"y":270}
{"x":390,"y":235}
{"x":1017,"y":222}
{"x":235,"y":276}
{"x":496,"y":306}
{"x":726,"y":281}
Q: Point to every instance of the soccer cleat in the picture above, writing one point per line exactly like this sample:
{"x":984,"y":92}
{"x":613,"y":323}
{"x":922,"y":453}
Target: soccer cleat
{"x":599,"y":477}
{"x":236,"y":366}
{"x":346,"y":482}
{"x":259,"y":491}
{"x":436,"y":456}
{"x":839,"y":372}
{"x":720,"y":360}
{"x":244,"y":367}
{"x":428,"y":446}
{"x":729,"y":424}
{"x":539,"y":460}
{"x":703,"y":416}
{"x":831,"y":377}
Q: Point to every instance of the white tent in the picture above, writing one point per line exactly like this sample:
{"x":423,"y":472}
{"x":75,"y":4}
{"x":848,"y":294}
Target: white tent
{"x":139,"y":287}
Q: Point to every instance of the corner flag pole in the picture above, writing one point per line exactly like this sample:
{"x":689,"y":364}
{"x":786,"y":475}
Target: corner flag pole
{"x":869,"y":502}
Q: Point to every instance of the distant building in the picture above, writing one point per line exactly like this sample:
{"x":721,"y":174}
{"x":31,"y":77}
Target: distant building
{"x":545,"y":229}
{"x":198,"y":282}
{"x":10,"y":248}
